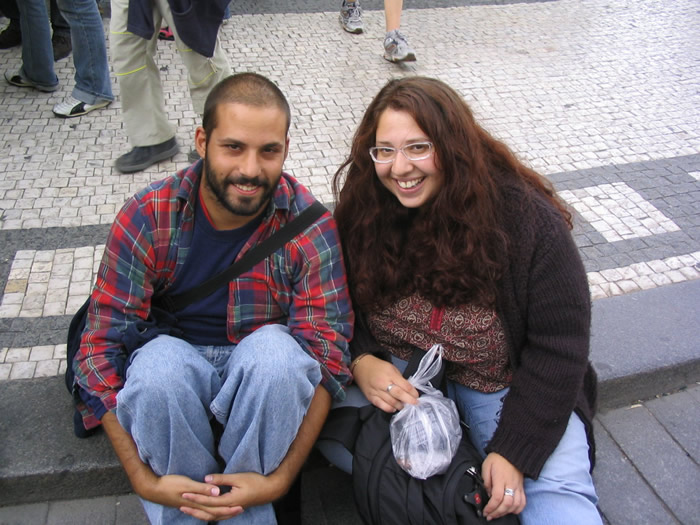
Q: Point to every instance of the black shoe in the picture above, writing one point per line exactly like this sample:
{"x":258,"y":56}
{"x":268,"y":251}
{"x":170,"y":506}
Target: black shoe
{"x":193,"y":155}
{"x":62,"y":46}
{"x":11,"y":36}
{"x":141,"y":157}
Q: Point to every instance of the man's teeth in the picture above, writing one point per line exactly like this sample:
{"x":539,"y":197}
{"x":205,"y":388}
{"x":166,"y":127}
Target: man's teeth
{"x":406,"y":184}
{"x":246,"y":187}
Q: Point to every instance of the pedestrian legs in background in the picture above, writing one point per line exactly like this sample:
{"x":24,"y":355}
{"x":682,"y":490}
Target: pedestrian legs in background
{"x":93,"y":88}
{"x":12,"y":35}
{"x":60,"y":40}
{"x":143,"y":110}
{"x":396,"y":48}
{"x":351,"y":17}
{"x":37,"y":55}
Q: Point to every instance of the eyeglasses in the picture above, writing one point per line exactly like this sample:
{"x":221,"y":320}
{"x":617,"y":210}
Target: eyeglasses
{"x":415,"y":151}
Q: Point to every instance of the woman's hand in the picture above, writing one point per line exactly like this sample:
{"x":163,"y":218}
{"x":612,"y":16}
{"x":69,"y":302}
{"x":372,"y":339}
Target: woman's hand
{"x":383,"y":385}
{"x":500,"y":475}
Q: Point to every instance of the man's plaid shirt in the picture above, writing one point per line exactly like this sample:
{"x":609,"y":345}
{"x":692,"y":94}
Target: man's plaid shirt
{"x":302,"y":285}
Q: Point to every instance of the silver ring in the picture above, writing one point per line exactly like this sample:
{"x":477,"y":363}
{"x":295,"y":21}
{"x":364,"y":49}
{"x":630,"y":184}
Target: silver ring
{"x":388,"y":389}
{"x":509,"y":492}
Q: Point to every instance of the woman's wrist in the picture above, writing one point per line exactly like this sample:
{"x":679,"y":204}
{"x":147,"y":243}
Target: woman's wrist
{"x":354,"y":362}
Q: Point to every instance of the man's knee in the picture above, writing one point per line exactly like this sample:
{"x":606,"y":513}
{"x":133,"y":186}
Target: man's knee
{"x":273,"y":353}
{"x":167,"y":364}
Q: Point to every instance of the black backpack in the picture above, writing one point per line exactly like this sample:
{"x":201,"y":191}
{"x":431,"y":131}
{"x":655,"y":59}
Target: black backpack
{"x":386,"y":495}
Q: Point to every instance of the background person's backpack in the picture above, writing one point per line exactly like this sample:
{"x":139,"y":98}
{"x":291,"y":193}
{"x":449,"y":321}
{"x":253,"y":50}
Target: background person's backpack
{"x":386,"y":495}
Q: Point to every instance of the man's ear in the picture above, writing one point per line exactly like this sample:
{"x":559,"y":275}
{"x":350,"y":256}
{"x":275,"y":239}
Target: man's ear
{"x":200,"y":141}
{"x":286,"y":147}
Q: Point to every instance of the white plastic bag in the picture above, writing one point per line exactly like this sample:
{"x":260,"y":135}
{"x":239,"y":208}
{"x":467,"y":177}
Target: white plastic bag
{"x":425,"y":437}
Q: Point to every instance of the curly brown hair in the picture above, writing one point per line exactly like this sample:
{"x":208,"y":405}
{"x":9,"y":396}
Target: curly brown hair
{"x":453,"y":249}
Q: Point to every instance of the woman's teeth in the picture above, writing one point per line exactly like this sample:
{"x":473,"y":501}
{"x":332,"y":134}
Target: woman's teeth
{"x":408,"y":184}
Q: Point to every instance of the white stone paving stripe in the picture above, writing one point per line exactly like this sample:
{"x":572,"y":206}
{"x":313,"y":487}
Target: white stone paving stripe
{"x":618,"y":212}
{"x":44,"y":283}
{"x":50,"y":360}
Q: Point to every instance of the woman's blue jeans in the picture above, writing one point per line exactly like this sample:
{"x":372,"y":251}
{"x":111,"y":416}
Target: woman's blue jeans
{"x":562,"y":494}
{"x":259,"y":390}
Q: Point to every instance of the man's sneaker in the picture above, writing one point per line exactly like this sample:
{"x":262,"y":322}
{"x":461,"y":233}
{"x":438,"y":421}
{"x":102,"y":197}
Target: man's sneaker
{"x":141,"y":157}
{"x":11,"y":35}
{"x":18,"y":80}
{"x":351,"y":17}
{"x":62,"y":46}
{"x":72,"y":107}
{"x":396,"y":49}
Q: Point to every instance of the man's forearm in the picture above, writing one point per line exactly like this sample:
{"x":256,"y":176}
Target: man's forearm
{"x":300,"y":448}
{"x":140,"y":475}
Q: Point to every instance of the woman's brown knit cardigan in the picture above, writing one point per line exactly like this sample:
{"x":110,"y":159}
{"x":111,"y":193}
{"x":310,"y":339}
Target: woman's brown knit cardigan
{"x":544,"y":304}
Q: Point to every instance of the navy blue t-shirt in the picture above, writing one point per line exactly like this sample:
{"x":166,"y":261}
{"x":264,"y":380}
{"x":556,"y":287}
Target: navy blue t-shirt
{"x":211,"y":252}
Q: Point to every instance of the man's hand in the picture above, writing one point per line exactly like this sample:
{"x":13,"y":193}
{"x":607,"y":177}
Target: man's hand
{"x":499,"y":474}
{"x":167,"y":490}
{"x":247,"y":490}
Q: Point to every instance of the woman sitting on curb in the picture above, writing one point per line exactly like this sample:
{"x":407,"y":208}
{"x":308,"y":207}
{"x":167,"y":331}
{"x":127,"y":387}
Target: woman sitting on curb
{"x":449,"y":239}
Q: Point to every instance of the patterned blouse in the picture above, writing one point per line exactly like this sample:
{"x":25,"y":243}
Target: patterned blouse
{"x":472,"y":337}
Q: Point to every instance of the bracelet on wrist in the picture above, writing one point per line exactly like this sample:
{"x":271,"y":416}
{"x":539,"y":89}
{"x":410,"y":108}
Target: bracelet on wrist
{"x":357,"y":360}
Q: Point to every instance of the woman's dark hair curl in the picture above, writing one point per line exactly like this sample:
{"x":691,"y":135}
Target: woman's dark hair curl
{"x":453,"y":249}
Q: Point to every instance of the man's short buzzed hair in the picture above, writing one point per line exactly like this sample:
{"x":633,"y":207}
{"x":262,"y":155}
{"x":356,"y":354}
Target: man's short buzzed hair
{"x":243,"y":88}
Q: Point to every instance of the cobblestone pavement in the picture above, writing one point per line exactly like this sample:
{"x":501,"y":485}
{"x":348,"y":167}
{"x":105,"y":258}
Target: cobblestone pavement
{"x":601,"y":96}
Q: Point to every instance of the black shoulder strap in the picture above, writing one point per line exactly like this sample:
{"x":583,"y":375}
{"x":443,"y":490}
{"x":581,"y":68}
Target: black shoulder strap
{"x":306,"y":218}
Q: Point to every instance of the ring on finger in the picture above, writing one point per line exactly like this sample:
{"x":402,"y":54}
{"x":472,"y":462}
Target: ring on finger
{"x":509,"y":492}
{"x":388,"y":389}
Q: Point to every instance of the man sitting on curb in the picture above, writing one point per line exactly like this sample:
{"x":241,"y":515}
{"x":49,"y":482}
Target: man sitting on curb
{"x":216,"y":419}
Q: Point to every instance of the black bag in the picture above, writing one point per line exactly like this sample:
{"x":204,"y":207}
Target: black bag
{"x":386,"y":495}
{"x":161,"y":319}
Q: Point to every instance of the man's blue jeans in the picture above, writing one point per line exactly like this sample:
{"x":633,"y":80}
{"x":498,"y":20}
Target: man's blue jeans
{"x":37,"y":53}
{"x":92,"y":83}
{"x":259,"y":390}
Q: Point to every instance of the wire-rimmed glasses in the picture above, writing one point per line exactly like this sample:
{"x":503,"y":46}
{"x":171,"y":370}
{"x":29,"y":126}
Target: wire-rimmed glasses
{"x":414,"y":151}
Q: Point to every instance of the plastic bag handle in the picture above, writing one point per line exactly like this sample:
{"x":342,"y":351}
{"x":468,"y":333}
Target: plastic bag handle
{"x":429,"y":367}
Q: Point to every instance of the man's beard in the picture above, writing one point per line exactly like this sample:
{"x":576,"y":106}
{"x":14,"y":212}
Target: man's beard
{"x":243,"y":206}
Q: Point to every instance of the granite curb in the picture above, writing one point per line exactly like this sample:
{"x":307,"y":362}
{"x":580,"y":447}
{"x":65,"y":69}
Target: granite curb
{"x":42,"y":460}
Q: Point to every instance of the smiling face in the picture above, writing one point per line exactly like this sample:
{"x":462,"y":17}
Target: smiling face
{"x":243,"y":158}
{"x":413,"y":182}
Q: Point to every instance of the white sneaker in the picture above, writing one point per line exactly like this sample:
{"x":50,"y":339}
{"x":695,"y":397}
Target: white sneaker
{"x":396,"y":49}
{"x":72,"y":107}
{"x":351,"y":17}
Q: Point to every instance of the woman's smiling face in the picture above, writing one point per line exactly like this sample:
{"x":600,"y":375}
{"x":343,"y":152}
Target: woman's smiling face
{"x":413,"y":182}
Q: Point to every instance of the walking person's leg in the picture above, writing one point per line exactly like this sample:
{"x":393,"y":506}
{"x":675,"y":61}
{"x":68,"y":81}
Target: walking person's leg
{"x":143,"y":108}
{"x":61,"y":38}
{"x":396,"y":48}
{"x":37,"y":56}
{"x":93,"y":88}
